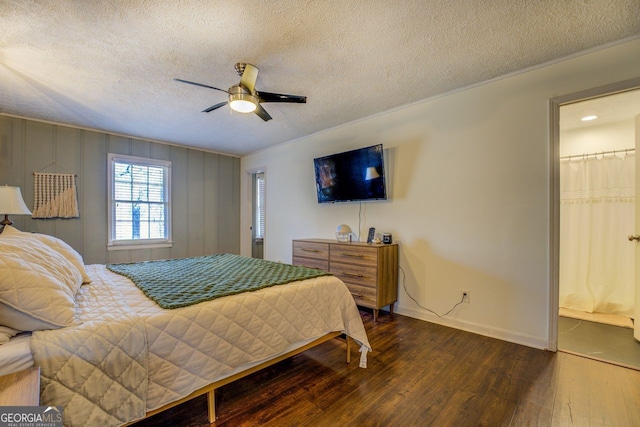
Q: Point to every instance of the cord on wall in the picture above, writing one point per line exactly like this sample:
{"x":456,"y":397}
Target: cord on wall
{"x":360,"y":220}
{"x":404,"y":285}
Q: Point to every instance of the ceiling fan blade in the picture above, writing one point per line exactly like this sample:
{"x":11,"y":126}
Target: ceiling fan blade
{"x":262,"y":113}
{"x":215,"y":107}
{"x":200,"y":84}
{"x":279,"y":97}
{"x":249,"y":77}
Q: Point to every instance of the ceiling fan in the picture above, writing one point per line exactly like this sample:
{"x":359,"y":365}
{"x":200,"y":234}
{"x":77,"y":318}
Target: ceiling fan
{"x":244,"y":97}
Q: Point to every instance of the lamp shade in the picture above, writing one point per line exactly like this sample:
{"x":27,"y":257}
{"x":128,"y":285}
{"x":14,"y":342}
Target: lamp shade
{"x":371,"y":173}
{"x":343,"y":229}
{"x":11,"y":201}
{"x":343,"y":233}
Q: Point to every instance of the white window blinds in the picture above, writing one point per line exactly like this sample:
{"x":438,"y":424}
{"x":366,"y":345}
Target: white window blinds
{"x":260,"y":208}
{"x":139,"y":200}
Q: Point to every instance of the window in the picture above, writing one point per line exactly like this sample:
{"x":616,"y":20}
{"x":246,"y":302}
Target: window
{"x":259,"y":226}
{"x":139,"y":202}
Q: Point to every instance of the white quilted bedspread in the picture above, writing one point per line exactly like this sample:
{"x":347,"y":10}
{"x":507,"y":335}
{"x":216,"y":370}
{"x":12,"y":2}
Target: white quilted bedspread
{"x":186,"y":348}
{"x":96,"y":369}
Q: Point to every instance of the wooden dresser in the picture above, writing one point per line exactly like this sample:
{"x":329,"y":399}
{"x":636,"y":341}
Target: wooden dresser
{"x":369,"y":270}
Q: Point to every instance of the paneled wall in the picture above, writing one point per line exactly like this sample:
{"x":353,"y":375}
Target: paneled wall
{"x":205,"y":189}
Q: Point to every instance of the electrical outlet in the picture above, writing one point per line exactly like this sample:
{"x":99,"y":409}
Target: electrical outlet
{"x":465,"y":296}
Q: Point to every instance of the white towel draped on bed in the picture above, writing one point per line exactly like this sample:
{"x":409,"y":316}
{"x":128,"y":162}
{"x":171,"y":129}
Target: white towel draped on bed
{"x":55,"y":196}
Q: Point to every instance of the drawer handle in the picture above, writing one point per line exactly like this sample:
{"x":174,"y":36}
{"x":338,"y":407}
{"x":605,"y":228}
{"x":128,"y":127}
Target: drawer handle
{"x":357,"y":295}
{"x":310,"y":250}
{"x":353,"y":275}
{"x":354,"y":255}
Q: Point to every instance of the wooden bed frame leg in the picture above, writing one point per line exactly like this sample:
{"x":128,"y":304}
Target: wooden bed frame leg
{"x":348,"y":349}
{"x":211,"y":405}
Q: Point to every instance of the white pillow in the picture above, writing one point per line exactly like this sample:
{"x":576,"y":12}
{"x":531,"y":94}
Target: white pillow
{"x":6,"y":334}
{"x":9,"y":230}
{"x":66,"y":251}
{"x":58,"y":245}
{"x":37,"y":284}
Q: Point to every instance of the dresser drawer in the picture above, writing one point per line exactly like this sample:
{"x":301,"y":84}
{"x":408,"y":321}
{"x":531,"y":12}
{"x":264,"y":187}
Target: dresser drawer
{"x":320,"y":264}
{"x":355,"y":274}
{"x":311,"y":250}
{"x":363,"y":295}
{"x":361,"y":255}
{"x":369,"y":270}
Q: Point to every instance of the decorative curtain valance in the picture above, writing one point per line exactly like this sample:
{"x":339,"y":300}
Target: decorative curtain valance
{"x":55,"y":196}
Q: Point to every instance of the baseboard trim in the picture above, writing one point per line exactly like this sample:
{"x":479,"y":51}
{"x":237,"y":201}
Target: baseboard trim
{"x":476,"y":328}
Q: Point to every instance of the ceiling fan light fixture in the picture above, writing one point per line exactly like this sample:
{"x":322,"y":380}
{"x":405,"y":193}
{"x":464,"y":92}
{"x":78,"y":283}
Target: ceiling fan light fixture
{"x":241,"y":100}
{"x":244,"y":98}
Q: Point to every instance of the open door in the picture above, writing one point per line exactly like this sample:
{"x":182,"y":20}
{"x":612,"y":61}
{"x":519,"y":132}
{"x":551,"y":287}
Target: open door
{"x":632,"y":85}
{"x":258,"y":216}
{"x":636,"y":236}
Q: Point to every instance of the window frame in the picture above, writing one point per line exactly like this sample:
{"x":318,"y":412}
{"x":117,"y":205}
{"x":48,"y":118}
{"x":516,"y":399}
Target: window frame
{"x":122,"y":244}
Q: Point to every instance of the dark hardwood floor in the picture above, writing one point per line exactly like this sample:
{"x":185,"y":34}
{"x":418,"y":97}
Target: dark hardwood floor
{"x":423,"y":374}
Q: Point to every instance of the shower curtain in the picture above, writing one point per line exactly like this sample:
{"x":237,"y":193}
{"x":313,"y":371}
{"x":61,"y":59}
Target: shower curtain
{"x":597,"y":208}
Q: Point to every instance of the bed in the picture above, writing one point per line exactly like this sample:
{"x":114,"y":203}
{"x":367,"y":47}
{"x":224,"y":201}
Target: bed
{"x":109,"y":355}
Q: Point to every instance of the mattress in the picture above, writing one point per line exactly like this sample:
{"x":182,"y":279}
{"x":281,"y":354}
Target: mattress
{"x":184,"y":350}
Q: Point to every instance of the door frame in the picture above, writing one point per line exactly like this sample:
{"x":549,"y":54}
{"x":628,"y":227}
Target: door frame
{"x":554,"y":182}
{"x":252,"y":205}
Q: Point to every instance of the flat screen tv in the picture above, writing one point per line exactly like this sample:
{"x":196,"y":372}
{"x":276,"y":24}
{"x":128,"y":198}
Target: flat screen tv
{"x":352,"y":176}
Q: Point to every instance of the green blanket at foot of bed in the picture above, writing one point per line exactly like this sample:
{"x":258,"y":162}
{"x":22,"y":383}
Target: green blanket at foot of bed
{"x":181,"y":282}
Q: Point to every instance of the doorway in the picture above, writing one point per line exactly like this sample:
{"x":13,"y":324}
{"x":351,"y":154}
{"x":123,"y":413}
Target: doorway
{"x":258,"y":220}
{"x":597,"y":277}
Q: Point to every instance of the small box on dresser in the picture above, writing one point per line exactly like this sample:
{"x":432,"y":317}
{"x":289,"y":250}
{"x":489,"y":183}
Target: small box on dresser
{"x":369,"y":270}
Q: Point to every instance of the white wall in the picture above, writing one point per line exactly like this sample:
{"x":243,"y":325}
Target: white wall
{"x":470,"y":194}
{"x":595,"y":139}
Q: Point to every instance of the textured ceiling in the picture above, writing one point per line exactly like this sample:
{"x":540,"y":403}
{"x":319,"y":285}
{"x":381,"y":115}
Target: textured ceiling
{"x":109,"y":65}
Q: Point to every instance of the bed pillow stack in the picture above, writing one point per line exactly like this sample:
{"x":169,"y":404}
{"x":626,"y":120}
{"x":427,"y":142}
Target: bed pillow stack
{"x":40,"y":276}
{"x":63,"y":248}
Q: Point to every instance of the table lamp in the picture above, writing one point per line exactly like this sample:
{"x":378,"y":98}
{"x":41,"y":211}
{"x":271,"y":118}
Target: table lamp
{"x":11,"y":203}
{"x":343,"y":233}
